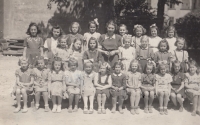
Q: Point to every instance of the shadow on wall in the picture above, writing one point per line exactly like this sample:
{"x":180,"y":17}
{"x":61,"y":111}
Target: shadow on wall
{"x":82,"y":11}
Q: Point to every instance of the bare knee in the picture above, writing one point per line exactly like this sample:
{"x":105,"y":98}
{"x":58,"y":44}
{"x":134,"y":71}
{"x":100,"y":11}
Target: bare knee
{"x":173,"y":95}
{"x":152,"y":94}
{"x":23,"y":91}
{"x":161,"y":94}
{"x":133,"y":93}
{"x":99,"y":95}
{"x":18,"y":92}
{"x":179,"y":96}
{"x":103,"y":95}
{"x":146,"y":94}
{"x":166,"y":94}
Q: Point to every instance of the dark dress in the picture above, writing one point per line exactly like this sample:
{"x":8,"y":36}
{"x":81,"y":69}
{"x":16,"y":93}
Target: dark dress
{"x":118,"y":81}
{"x":148,"y":81}
{"x":110,"y":44}
{"x":96,"y":55}
{"x":176,"y":83}
{"x":183,"y":63}
{"x":104,"y":91}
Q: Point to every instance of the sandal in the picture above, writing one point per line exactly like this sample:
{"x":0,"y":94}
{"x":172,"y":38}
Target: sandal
{"x":85,"y":111}
{"x":46,"y":108}
{"x":54,"y":108}
{"x":17,"y":109}
{"x":24,"y":110}
{"x":103,"y":111}
{"x":99,"y":111}
{"x":75,"y":109}
{"x":161,"y":111}
{"x":150,"y":109}
{"x":91,"y":111}
{"x":70,"y":109}
{"x":146,"y":110}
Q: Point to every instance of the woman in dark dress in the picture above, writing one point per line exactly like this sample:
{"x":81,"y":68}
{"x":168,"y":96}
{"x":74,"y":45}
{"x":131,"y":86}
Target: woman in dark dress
{"x":110,"y":42}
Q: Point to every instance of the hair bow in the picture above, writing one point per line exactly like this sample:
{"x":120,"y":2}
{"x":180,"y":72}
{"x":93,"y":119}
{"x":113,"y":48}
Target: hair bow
{"x":153,"y":25}
{"x":152,"y":62}
{"x":96,"y":21}
{"x":164,"y":62}
{"x":88,"y":61}
{"x":137,"y":25}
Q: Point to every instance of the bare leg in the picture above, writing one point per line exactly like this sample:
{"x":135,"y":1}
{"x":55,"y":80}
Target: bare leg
{"x":137,"y":100}
{"x":99,"y":101}
{"x":53,"y":98}
{"x":85,"y":101}
{"x":166,"y":100}
{"x":173,"y":98}
{"x":146,"y":99}
{"x":195,"y":101}
{"x":71,"y":99}
{"x":103,"y":100}
{"x":24,"y":94}
{"x":114,"y":101}
{"x":91,"y":98}
{"x":133,"y":98}
{"x":77,"y":97}
{"x":37,"y":99}
{"x":45,"y":97}
{"x":151,"y":98}
{"x":121,"y":101}
{"x":18,"y":98}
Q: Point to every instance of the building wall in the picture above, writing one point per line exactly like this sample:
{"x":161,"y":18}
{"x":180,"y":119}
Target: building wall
{"x":19,"y":13}
{"x":1,"y":18}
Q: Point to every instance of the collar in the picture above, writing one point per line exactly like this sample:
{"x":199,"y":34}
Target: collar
{"x":163,"y":52}
{"x":107,"y":37}
{"x":22,"y":70}
{"x":56,"y":72}
{"x":89,"y":75}
{"x":52,"y":39}
{"x":117,"y":74}
{"x":144,"y":48}
{"x":93,"y":50}
{"x":179,"y":50}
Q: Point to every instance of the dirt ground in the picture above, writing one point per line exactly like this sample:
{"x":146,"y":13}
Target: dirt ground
{"x":8,"y":65}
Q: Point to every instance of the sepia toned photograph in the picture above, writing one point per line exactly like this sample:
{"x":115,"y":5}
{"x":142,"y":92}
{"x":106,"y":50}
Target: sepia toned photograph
{"x":99,"y":62}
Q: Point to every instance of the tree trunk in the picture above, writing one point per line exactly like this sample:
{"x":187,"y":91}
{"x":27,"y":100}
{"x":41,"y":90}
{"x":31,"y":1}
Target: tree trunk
{"x":160,"y":13}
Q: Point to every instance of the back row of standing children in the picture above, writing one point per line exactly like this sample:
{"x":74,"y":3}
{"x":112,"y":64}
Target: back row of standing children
{"x":133,"y":55}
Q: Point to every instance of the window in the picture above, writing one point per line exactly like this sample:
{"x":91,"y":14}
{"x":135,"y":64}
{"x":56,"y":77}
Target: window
{"x":185,"y":4}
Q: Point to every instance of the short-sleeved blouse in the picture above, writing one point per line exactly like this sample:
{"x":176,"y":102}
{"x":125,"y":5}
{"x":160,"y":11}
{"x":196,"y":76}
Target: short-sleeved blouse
{"x":73,"y":77}
{"x":110,"y":44}
{"x":180,"y":55}
{"x":193,"y":80}
{"x":162,"y":56}
{"x":41,"y":75}
{"x":153,"y":42}
{"x":54,"y":43}
{"x":33,"y":42}
{"x":56,"y":77}
{"x":129,"y":53}
{"x":163,"y":80}
{"x":24,"y":76}
{"x":134,"y":79}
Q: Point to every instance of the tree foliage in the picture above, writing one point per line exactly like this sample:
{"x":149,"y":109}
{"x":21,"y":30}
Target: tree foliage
{"x":188,"y":27}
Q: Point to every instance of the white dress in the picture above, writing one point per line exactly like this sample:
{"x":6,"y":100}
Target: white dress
{"x":129,"y":54}
{"x":171,"y":42}
{"x":153,"y":42}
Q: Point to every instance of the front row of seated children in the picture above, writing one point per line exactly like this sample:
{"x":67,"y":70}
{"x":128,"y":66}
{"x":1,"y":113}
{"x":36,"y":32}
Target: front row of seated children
{"x":58,"y":84}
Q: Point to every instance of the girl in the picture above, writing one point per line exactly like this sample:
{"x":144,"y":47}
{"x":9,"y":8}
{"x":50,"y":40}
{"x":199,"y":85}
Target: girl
{"x":102,"y":86}
{"x":163,"y":56}
{"x":122,"y":31}
{"x":74,"y":30}
{"x":127,"y":53}
{"x":163,"y":87}
{"x":109,"y":44}
{"x":41,"y":83}
{"x":144,"y":53}
{"x":177,"y":92}
{"x":89,"y":79}
{"x":171,"y":37}
{"x":148,"y":86}
{"x":118,"y":87}
{"x":180,"y":54}
{"x":33,"y":45}
{"x":93,"y":26}
{"x":74,"y":83}
{"x":24,"y":84}
{"x":133,"y":86}
{"x":77,"y":52}
{"x":56,"y":84}
{"x":154,"y":39}
{"x":192,"y":86}
{"x":138,"y":31}
{"x":93,"y":53}
{"x":62,"y":50}
{"x":51,"y":43}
